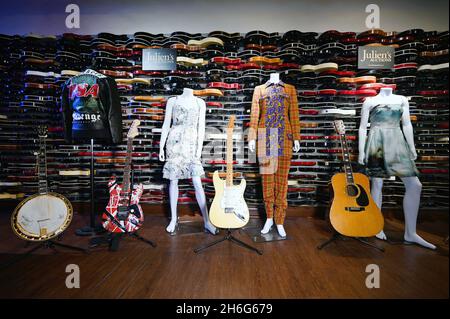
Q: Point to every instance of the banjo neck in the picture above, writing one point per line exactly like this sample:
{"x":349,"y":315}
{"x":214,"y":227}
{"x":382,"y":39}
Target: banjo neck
{"x":42,"y":166}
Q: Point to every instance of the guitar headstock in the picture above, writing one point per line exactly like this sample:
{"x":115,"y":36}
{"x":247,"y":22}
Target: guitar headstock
{"x":42,"y":131}
{"x":133,"y":131}
{"x":339,"y":127}
{"x":231,"y":121}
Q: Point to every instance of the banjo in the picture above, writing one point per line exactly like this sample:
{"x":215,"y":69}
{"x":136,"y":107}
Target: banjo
{"x":44,"y":215}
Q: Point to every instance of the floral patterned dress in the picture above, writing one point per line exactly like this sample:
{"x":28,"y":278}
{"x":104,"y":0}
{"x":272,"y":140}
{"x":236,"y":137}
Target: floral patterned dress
{"x":181,"y":146}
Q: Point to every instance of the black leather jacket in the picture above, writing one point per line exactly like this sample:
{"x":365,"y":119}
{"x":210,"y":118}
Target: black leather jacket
{"x":91,"y":108}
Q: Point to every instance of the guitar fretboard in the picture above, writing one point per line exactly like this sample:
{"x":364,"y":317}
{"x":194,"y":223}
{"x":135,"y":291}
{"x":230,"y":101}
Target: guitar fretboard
{"x":127,"y":169}
{"x":346,"y":159}
{"x":229,"y":159}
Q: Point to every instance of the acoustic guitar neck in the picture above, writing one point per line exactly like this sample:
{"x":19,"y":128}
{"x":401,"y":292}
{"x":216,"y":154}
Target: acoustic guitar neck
{"x":340,"y":129}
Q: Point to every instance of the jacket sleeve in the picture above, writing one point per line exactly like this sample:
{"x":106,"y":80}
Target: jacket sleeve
{"x":114,"y":111}
{"x":67,"y":113}
{"x":293,"y":115}
{"x":254,"y":115}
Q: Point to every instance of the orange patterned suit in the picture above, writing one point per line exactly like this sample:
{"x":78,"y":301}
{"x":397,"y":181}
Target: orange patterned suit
{"x":274,"y":120}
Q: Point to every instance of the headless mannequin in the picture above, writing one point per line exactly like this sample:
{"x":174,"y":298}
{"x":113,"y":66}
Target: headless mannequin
{"x":188,"y":96}
{"x":274,"y":78}
{"x":413,"y":187}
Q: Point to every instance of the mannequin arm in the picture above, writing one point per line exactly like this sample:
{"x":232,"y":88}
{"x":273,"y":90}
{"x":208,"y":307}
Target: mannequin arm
{"x":408,"y":129}
{"x":362,"y":132}
{"x":201,"y":128}
{"x":254,"y":119}
{"x":293,"y":114}
{"x":294,"y":119}
{"x":165,"y":128}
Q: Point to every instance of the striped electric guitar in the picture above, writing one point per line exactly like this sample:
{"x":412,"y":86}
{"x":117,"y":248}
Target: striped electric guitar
{"x":123,"y":213}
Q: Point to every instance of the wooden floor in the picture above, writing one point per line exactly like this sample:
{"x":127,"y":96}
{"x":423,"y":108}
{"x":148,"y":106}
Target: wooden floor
{"x":288,"y":269}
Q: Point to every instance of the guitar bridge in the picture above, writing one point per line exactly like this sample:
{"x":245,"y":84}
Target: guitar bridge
{"x":355,"y":209}
{"x":229,"y":210}
{"x":232,"y":211}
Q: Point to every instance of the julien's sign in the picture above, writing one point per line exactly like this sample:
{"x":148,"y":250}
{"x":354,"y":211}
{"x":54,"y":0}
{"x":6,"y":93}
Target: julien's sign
{"x":382,"y":57}
{"x":159,"y":60}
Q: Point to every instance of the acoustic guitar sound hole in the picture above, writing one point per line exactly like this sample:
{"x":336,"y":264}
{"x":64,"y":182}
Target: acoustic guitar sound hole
{"x":352,"y":190}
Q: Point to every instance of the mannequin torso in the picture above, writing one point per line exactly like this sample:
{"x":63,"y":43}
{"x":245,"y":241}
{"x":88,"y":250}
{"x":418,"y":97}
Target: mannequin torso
{"x":388,"y":151}
{"x":184,"y":141}
{"x":274,"y":84}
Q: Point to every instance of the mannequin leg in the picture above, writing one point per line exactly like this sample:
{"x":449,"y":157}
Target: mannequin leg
{"x":377,"y":195}
{"x":173,"y":197}
{"x":201,"y":200}
{"x":411,"y":203}
{"x":268,"y":195}
{"x":267,"y":226}
{"x":281,"y":188}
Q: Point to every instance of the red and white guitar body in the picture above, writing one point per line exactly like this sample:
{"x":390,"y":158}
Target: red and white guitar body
{"x":123,"y":213}
{"x":135,"y":218}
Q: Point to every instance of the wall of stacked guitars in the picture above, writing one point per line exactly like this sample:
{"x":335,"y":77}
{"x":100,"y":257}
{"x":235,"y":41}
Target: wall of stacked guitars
{"x":224,"y":69}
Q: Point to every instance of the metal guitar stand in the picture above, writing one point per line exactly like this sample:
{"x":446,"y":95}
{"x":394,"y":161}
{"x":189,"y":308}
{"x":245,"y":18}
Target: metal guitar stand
{"x":113,"y":240}
{"x":92,"y":228}
{"x":51,"y":243}
{"x":229,"y":236}
{"x":336,"y":236}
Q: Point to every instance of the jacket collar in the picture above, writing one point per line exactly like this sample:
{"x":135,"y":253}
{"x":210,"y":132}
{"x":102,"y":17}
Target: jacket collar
{"x":268,"y":83}
{"x":94,"y":73}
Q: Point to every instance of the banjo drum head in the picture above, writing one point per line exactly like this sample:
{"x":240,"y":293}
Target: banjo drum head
{"x":42,"y":216}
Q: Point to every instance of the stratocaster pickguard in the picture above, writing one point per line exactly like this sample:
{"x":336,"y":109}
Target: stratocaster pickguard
{"x":233,"y":202}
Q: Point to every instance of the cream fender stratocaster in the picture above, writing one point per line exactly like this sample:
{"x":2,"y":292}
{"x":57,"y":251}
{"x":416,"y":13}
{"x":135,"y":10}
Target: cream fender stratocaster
{"x":229,"y":209}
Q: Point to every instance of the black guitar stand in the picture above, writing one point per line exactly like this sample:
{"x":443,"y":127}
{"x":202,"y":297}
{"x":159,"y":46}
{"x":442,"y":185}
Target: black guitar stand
{"x":48,"y":244}
{"x":52,"y":244}
{"x":336,"y":236}
{"x":113,"y":239}
{"x":229,"y":236}
{"x":92,"y":228}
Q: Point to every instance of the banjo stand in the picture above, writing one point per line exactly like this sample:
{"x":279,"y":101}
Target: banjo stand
{"x":51,"y":243}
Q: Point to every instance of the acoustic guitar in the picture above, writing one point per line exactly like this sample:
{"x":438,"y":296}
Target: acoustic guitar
{"x":353,"y":212}
{"x":229,"y":209}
